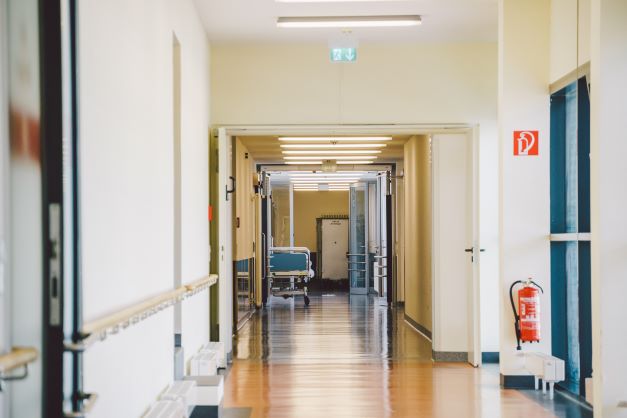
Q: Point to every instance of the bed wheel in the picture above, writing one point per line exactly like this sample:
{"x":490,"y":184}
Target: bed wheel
{"x":306,"y":300}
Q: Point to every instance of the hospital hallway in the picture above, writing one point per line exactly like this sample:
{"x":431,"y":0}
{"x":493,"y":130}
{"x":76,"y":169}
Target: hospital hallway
{"x":313,"y":209}
{"x":345,"y":356}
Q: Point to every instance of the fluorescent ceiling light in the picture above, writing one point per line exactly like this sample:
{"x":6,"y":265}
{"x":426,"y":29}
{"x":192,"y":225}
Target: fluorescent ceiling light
{"x":323,"y":182}
{"x":354,"y":162}
{"x":326,"y":176}
{"x":334,"y":139}
{"x":331,"y":152}
{"x":344,"y":22}
{"x":303,"y":162}
{"x":331,"y":157}
{"x":331,"y":146}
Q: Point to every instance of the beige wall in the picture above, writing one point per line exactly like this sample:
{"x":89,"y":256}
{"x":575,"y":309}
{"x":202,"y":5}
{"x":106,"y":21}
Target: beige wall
{"x":417,"y":227}
{"x":244,"y":202}
{"x":412,"y":83}
{"x":311,"y":205}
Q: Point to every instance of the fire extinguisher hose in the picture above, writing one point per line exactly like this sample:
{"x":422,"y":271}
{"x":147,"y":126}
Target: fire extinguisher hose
{"x":516,"y":316}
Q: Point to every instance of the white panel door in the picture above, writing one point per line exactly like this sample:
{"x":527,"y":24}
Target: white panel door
{"x":456,"y":298}
{"x":225,"y":239}
{"x":334,"y":249}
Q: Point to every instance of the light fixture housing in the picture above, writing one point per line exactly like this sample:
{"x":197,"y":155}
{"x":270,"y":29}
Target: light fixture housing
{"x":335,"y":139}
{"x":330,"y":157}
{"x":345,"y":22}
{"x":338,"y":152}
{"x":331,"y":146}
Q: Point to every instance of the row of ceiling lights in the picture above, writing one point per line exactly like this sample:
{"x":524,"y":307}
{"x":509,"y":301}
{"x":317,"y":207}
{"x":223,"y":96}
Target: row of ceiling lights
{"x":318,"y":181}
{"x":342,"y":150}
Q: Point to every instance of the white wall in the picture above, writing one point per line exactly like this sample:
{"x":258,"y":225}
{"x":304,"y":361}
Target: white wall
{"x":402,"y":83}
{"x":126,"y":185}
{"x":570,"y":36}
{"x":609,"y":204}
{"x":524,"y":181}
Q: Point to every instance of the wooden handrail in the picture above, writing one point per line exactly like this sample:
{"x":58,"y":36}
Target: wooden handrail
{"x":99,"y":329}
{"x":16,"y":358}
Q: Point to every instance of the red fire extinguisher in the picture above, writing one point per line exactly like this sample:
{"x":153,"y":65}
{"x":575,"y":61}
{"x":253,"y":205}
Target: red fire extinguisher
{"x":527,"y":318}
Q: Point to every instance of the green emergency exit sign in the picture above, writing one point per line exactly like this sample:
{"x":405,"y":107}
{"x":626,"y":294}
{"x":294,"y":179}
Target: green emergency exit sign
{"x":343,"y":54}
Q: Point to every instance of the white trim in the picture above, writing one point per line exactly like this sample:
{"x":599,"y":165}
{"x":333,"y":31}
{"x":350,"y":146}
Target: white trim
{"x":387,"y":129}
{"x":573,"y":236}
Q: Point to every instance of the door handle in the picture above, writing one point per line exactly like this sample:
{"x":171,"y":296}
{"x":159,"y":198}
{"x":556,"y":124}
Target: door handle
{"x":472,"y":251}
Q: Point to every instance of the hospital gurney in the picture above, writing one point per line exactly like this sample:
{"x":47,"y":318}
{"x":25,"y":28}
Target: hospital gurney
{"x":289,"y":271}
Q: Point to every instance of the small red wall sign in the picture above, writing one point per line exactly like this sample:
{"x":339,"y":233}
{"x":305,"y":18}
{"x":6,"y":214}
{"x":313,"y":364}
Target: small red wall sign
{"x":526,"y":143}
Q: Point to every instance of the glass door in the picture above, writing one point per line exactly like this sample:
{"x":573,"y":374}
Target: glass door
{"x":358,"y":239}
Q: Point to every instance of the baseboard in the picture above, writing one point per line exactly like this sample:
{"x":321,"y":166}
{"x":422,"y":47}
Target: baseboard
{"x":450,"y":356}
{"x":517,"y":381}
{"x":490,"y":357}
{"x":424,"y":331}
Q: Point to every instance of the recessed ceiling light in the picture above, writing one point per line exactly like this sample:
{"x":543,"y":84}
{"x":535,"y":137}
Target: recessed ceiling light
{"x":324,"y":175}
{"x":334,"y":139}
{"x":331,"y":157}
{"x":302,"y":152}
{"x":303,"y":162}
{"x":305,"y":182}
{"x":331,"y":146}
{"x":354,"y":162}
{"x":348,"y":21}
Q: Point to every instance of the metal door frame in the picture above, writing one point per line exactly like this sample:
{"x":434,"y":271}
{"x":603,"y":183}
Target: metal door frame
{"x":366,"y":270}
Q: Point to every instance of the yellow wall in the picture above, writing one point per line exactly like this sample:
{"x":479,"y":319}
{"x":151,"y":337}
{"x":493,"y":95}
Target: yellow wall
{"x":311,"y":205}
{"x":417,"y":227}
{"x":244,"y":202}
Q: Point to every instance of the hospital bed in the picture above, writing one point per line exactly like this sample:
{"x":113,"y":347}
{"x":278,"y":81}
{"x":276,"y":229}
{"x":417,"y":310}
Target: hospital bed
{"x":289,"y":272}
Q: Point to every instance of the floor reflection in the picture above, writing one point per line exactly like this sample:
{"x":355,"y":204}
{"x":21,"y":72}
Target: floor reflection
{"x":346,"y":356}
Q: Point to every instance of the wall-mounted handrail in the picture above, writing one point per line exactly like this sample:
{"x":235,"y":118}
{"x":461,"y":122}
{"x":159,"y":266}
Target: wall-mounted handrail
{"x":99,"y":329}
{"x":16,"y":358}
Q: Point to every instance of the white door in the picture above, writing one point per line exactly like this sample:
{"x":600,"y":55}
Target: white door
{"x":456,"y":297}
{"x":226,"y":184}
{"x":334,"y":249}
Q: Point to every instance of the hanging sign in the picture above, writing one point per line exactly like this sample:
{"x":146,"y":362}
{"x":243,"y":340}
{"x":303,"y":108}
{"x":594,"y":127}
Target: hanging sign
{"x":526,"y":143}
{"x":343,"y":54}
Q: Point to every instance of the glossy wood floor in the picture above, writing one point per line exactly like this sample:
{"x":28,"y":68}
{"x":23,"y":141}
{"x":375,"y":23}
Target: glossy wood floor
{"x":347,"y":357}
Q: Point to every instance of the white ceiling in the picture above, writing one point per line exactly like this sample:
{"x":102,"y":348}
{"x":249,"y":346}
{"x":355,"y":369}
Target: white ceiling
{"x":442,"y":20}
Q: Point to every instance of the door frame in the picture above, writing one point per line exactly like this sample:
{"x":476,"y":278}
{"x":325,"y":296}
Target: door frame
{"x":4,"y":196}
{"x":382,"y":129}
{"x":224,"y":202}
